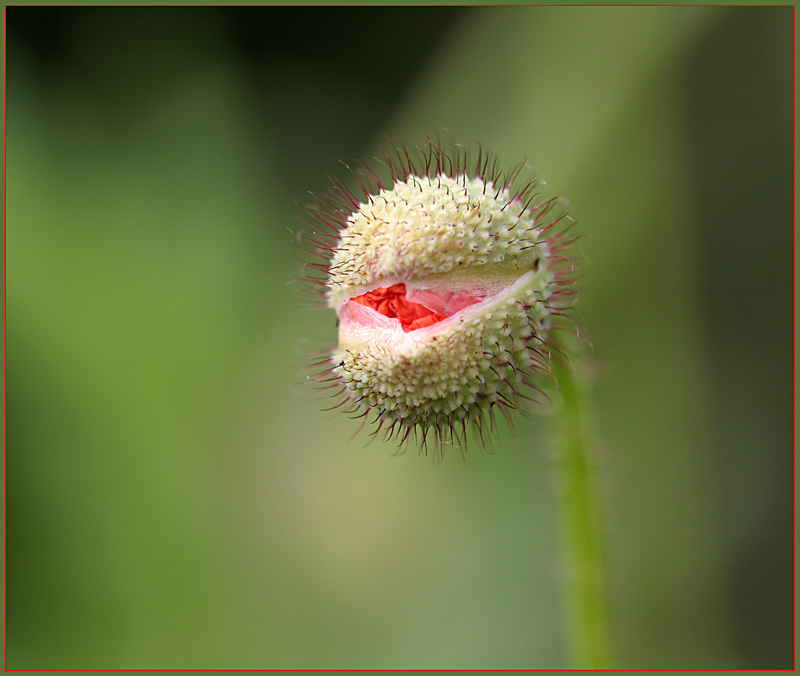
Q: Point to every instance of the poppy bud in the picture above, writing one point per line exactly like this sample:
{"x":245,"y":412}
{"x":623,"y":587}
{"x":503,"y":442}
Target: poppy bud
{"x":446,"y":282}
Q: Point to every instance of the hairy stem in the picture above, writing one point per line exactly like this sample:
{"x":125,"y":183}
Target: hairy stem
{"x":584,"y":589}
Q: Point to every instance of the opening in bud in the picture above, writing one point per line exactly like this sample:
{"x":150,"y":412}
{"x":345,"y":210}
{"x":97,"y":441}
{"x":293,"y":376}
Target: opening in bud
{"x":392,"y":302}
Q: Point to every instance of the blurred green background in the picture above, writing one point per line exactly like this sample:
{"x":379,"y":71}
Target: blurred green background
{"x":176,"y":500}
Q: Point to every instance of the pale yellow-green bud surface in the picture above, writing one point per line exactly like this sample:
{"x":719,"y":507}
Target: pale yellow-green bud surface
{"x":473,"y":258}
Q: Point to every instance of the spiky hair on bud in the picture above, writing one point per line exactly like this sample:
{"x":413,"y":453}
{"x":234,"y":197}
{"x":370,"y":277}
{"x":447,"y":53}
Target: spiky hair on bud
{"x":450,"y":279}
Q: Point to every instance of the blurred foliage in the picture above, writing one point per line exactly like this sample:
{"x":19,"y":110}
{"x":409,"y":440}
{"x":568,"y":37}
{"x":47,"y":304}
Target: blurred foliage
{"x":176,"y":500}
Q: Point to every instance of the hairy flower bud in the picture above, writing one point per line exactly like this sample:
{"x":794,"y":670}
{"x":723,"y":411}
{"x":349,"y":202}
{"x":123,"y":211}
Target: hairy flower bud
{"x":446,"y":283}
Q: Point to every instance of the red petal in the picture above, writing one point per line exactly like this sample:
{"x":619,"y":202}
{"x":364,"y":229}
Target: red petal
{"x":392,"y":302}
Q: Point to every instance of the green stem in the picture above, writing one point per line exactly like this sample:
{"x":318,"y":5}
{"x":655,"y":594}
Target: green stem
{"x":584,"y":590}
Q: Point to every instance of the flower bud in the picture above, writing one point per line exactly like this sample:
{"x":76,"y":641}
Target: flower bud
{"x":446,"y":283}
